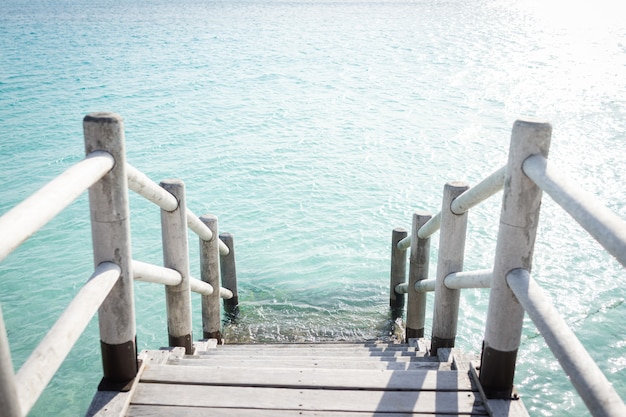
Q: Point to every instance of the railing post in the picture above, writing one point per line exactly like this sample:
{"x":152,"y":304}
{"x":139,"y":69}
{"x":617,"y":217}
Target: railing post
{"x":229,"y":274}
{"x":210,"y":273}
{"x":176,"y":256}
{"x":398,"y":271}
{"x":449,"y":260}
{"x":514,"y":249}
{"x":110,"y":229}
{"x":418,"y":271}
{"x":9,"y":401}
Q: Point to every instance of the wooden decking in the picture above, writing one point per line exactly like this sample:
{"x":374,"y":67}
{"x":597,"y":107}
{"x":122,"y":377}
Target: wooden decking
{"x":364,"y":379}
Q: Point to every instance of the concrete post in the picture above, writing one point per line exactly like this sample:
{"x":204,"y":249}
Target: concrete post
{"x":514,"y":249}
{"x":398,"y":271}
{"x":110,"y":229}
{"x":229,"y":274}
{"x":418,"y":271}
{"x":210,"y":273}
{"x":176,"y":256}
{"x":450,"y":259}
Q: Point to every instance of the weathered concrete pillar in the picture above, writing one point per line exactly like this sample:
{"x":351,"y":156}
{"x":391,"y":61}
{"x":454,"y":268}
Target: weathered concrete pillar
{"x":176,"y":256}
{"x":449,"y":260}
{"x":398,"y":271}
{"x":229,"y":274}
{"x":210,"y":273}
{"x":110,"y":229}
{"x":519,"y":217}
{"x":418,"y":271}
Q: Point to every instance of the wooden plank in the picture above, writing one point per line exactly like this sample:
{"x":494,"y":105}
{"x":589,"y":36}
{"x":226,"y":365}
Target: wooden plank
{"x":338,"y":345}
{"x":322,"y":357}
{"x":308,"y":399}
{"x":331,"y":363}
{"x":309,"y":378}
{"x":168,"y":411}
{"x":308,"y":352}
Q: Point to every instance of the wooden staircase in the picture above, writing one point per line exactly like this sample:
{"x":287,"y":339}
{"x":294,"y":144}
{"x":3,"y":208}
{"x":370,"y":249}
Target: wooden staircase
{"x":339,"y":379}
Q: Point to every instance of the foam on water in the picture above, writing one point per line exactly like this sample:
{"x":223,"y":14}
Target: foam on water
{"x":312,"y":129}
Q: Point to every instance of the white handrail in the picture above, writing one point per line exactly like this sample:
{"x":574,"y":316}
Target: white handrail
{"x":46,"y":359}
{"x":469,"y":279}
{"x":150,"y":190}
{"x":426,"y":285}
{"x":470,"y":198}
{"x":9,"y":403}
{"x":591,"y":384}
{"x":454,"y":281}
{"x":600,"y":222}
{"x":480,"y":192}
{"x":430,"y":227}
{"x":23,"y":220}
{"x":146,"y":272}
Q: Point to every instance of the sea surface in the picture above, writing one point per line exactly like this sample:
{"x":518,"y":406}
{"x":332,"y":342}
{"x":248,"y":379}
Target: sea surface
{"x":312,"y":129}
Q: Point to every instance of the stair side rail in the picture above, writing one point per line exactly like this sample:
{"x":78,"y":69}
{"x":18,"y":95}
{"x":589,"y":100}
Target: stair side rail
{"x":211,"y":266}
{"x":19,"y":391}
{"x":595,"y":390}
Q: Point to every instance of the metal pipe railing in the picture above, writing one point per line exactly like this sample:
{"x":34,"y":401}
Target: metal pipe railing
{"x":453,"y":281}
{"x":591,"y":384}
{"x":146,"y":272}
{"x":151,"y":191}
{"x":155,"y":274}
{"x":48,"y":356}
{"x":480,"y":192}
{"x":104,"y":173}
{"x":600,"y":222}
{"x":469,"y":279}
{"x":470,"y":198}
{"x":9,"y":402}
{"x":23,"y":220}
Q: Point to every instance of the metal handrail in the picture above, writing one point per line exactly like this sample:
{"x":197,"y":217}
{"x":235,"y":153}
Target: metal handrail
{"x":19,"y":391}
{"x":454,"y":281}
{"x":470,"y":198}
{"x":600,"y":222}
{"x":592,"y":386}
{"x":146,"y":272}
{"x":23,"y":220}
{"x":151,"y":191}
{"x":35,"y":374}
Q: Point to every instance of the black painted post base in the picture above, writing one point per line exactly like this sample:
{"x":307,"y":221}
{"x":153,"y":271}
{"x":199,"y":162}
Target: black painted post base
{"x":497,"y":370}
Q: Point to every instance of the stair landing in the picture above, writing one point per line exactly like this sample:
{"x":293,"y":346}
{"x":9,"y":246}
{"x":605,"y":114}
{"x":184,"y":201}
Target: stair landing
{"x":339,"y":379}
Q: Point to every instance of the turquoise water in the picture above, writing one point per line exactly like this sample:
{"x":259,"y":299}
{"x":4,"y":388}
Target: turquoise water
{"x":312,"y":129}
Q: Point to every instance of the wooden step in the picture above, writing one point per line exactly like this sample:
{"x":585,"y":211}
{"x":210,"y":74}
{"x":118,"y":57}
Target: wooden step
{"x":266,"y":400}
{"x":348,"y":380}
{"x":427,"y":380}
{"x":313,"y":351}
{"x":400,"y":363}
